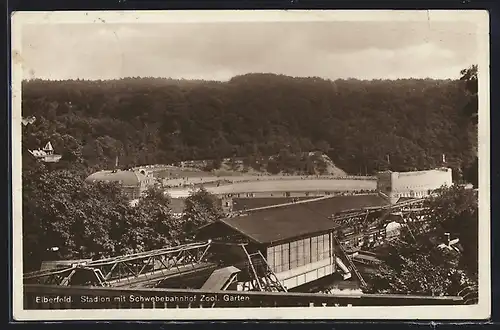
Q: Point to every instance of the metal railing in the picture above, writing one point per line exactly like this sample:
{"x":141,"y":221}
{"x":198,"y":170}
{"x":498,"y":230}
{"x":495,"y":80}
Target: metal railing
{"x":144,"y":268}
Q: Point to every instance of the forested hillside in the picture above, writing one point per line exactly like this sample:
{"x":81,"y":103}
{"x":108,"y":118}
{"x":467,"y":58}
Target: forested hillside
{"x":356,"y":123}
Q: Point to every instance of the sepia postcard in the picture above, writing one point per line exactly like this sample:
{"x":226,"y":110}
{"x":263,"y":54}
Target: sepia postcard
{"x":204,"y":165}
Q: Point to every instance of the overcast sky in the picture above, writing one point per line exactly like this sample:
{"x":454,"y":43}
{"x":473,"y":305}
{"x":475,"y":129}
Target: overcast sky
{"x":219,"y":51}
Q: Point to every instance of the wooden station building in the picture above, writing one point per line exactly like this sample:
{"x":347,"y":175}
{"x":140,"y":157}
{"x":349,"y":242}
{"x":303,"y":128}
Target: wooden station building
{"x":293,"y":244}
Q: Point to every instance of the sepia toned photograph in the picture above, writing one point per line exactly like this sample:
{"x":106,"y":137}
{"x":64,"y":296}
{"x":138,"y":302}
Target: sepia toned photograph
{"x":250,"y":165}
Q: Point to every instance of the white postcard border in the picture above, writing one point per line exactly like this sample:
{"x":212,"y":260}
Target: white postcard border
{"x":480,"y":311}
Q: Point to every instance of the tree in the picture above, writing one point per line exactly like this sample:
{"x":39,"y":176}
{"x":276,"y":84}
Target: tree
{"x":469,"y":77}
{"x":97,"y":209}
{"x":90,"y":220}
{"x":217,"y":163}
{"x":61,"y":210}
{"x":418,"y":274}
{"x":201,"y":208}
{"x":472,"y":173}
{"x":323,"y":146}
{"x":456,"y":210}
{"x":233,"y":165}
{"x":415,"y":265}
{"x":213,"y":165}
{"x":309,"y":168}
{"x":153,"y":225}
{"x":357,"y":122}
{"x":273,"y":166}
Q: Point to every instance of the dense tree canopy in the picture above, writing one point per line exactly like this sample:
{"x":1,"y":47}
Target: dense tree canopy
{"x":471,"y":110}
{"x":418,"y":273}
{"x":455,"y":209}
{"x":469,"y":77}
{"x":82,"y":220}
{"x":357,"y":123}
{"x":201,"y":208}
{"x":154,"y":225}
{"x":415,"y":264}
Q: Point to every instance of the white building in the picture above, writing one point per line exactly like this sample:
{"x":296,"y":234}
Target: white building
{"x":415,"y":184}
{"x":46,"y":154}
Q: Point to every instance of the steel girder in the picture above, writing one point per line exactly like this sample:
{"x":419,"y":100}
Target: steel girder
{"x":138,"y":269}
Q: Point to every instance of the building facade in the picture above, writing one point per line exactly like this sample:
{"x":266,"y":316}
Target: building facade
{"x":46,"y":154}
{"x":298,"y":240}
{"x":415,"y":184}
{"x":300,"y":261}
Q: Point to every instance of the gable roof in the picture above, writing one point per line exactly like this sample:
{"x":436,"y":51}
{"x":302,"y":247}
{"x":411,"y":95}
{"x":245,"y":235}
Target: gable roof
{"x":283,"y":222}
{"x":48,"y":147}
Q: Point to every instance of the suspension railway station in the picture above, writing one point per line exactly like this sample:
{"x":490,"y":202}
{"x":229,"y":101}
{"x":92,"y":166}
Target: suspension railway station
{"x":284,"y":255}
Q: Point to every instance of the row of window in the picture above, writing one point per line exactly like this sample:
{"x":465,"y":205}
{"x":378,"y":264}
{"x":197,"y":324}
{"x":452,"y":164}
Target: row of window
{"x":295,"y":194}
{"x":413,"y":194}
{"x":295,"y":254}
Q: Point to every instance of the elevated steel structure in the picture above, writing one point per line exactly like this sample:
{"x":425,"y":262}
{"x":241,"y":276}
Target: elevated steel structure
{"x":262,"y":276}
{"x":149,"y":269}
{"x":133,"y":270}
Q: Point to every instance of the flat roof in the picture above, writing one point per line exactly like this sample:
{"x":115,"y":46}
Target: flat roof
{"x":288,"y":221}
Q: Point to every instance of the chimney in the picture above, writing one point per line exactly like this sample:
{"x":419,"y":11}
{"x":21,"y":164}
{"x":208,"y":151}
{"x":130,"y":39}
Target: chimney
{"x":447,"y":242}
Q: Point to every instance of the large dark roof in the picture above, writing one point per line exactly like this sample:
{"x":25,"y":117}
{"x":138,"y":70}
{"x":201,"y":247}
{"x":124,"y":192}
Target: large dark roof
{"x":284,"y":222}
